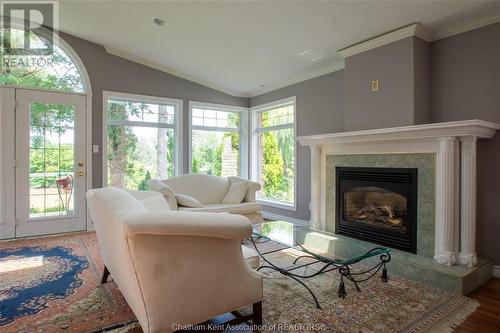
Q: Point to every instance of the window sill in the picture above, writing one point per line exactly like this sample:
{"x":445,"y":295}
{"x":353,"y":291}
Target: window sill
{"x":277,"y":204}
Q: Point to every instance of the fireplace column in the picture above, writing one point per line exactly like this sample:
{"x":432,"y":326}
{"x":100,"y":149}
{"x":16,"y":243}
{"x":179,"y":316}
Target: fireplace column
{"x":468,"y":254}
{"x":446,"y":231}
{"x":315,"y":203}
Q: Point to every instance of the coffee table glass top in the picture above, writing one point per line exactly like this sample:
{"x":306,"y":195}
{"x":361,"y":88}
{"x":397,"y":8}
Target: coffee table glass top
{"x":321,"y":244}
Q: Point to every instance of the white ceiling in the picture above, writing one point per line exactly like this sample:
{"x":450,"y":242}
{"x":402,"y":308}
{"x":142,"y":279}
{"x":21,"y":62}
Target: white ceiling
{"x":247,"y":48}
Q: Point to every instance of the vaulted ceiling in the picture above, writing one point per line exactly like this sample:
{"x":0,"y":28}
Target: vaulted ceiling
{"x":247,"y":48}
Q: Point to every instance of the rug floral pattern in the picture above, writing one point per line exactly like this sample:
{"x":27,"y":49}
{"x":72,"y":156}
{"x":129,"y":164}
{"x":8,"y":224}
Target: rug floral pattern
{"x":51,"y":284}
{"x":64,"y":294}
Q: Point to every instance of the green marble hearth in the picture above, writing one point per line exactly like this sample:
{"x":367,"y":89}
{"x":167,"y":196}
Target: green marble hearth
{"x":456,"y":279}
{"x":425,"y":163}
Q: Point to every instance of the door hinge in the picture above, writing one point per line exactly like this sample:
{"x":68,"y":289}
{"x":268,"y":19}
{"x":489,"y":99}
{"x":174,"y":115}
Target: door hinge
{"x":15,"y":163}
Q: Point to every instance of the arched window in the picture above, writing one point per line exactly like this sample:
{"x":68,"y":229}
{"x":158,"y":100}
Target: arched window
{"x":54,"y":71}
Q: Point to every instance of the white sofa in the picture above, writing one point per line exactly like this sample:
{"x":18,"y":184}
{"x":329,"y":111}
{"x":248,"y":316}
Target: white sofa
{"x":211,"y":191}
{"x":173,"y":267}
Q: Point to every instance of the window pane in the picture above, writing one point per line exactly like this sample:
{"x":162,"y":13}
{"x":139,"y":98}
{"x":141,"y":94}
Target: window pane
{"x":137,"y":154}
{"x":215,"y":118}
{"x":142,"y":112}
{"x":51,"y":160}
{"x":54,"y":71}
{"x":278,"y":116}
{"x":276,"y":164}
{"x":216,"y":153}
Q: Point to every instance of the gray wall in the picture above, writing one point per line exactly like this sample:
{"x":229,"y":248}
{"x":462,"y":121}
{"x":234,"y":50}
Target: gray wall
{"x":402,"y":69}
{"x":392,"y":105}
{"x":466,"y":85}
{"x":460,"y":80}
{"x":108,"y":72}
{"x":320,"y":109}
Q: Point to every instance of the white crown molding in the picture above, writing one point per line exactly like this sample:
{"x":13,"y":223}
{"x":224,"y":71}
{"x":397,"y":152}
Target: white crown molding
{"x":467,"y":26}
{"x":169,"y":70}
{"x":272,"y":87}
{"x":496,"y":271}
{"x":415,"y":29}
{"x":476,"y":128}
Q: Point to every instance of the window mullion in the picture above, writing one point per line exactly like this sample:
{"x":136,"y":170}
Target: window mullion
{"x":274,"y":128}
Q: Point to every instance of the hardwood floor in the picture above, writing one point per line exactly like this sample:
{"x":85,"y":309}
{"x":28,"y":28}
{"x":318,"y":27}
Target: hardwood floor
{"x":486,"y":318}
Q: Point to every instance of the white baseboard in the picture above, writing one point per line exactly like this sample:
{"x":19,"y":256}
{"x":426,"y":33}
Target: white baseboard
{"x":278,"y":217}
{"x":496,"y":271}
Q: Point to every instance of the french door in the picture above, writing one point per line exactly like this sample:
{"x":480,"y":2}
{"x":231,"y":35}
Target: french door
{"x":49,"y":162}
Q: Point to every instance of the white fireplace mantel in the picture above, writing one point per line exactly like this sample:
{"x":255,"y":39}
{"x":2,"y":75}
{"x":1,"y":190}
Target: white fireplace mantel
{"x":454,"y":145}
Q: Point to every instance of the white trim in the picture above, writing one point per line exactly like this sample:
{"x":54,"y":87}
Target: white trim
{"x":87,"y":91}
{"x":172,"y":71}
{"x":338,"y":65}
{"x":475,"y":127}
{"x":243,"y":130}
{"x":276,"y":204}
{"x":278,"y":217}
{"x":254,"y":158}
{"x":467,"y":26}
{"x":416,"y":30}
{"x":178,"y":126}
{"x":496,"y":271}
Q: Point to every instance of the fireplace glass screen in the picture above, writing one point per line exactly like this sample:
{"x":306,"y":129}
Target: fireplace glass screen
{"x":376,"y":207}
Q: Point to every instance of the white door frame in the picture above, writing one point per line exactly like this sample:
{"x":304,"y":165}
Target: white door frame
{"x":7,"y":165}
{"x":38,"y":226}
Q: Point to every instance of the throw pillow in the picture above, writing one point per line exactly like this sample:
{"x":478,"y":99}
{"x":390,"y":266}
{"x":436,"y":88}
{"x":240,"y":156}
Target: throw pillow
{"x":187,"y":201}
{"x":167,"y":192}
{"x":236,"y":193}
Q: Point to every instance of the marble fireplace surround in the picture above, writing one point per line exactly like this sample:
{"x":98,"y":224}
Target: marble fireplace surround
{"x":453,"y":144}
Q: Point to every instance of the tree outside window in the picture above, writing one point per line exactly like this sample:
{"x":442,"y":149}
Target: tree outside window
{"x":276,"y":152}
{"x":141,"y":143}
{"x":215,"y":141}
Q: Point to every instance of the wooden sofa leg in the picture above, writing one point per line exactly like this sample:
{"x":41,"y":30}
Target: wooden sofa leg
{"x":105,"y":275}
{"x":257,"y":313}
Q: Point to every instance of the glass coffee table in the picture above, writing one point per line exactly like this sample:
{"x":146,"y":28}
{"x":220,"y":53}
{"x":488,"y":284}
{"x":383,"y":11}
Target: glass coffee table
{"x":292,"y":236}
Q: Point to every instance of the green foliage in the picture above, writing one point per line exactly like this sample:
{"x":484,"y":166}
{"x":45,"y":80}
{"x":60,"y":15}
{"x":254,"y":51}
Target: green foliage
{"x":56,"y":72}
{"x":272,"y":168}
{"x":278,"y":157}
{"x":144,"y":184}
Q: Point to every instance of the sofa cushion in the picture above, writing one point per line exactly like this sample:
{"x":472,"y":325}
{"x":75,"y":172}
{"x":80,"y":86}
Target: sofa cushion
{"x":119,"y":202}
{"x":152,"y":200}
{"x":167,"y":192}
{"x":250,"y":256}
{"x":236,"y":193}
{"x":205,"y":188}
{"x":242,"y":208}
{"x":187,"y":201}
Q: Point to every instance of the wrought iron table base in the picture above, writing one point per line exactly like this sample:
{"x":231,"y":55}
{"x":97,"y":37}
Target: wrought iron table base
{"x":329,"y":265}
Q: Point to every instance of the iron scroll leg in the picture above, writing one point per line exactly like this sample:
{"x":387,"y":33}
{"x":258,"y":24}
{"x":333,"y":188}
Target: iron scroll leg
{"x":385,"y":258}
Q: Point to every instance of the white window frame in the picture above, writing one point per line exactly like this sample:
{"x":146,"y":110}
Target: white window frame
{"x":254,"y":149}
{"x":243,"y":130}
{"x":177,"y":126}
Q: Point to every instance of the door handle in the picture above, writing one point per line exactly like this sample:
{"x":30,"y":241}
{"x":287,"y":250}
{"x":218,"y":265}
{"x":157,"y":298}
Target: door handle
{"x":81,"y":174}
{"x":80,"y":164}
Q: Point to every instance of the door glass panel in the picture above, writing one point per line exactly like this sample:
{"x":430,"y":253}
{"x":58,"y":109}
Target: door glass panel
{"x":51,"y":167}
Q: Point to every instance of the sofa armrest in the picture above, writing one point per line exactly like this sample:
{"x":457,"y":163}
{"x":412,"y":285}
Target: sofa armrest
{"x":253,"y":187}
{"x":226,"y":226}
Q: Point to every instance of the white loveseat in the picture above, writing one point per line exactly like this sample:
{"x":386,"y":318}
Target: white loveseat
{"x":174,"y":268}
{"x":211,"y":191}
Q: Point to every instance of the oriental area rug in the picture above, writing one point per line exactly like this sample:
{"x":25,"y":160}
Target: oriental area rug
{"x":51,"y":284}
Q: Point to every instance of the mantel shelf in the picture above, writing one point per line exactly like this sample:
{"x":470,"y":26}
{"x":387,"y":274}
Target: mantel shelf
{"x":476,"y":128}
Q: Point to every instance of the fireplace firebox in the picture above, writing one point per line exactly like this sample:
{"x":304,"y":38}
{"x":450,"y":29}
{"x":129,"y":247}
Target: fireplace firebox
{"x":378,"y":205}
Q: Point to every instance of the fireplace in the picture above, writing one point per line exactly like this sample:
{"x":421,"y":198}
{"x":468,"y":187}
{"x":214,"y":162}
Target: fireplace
{"x":378,"y":205}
